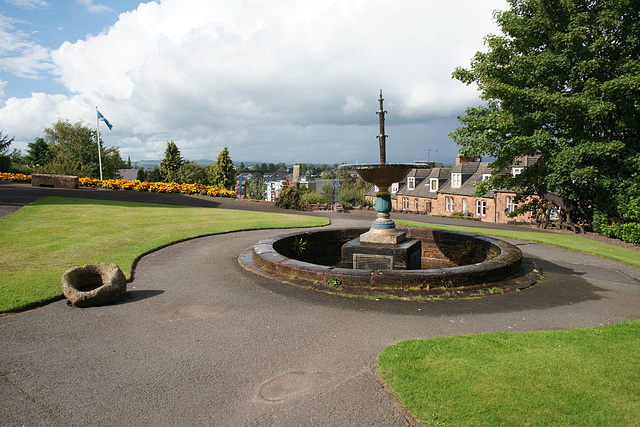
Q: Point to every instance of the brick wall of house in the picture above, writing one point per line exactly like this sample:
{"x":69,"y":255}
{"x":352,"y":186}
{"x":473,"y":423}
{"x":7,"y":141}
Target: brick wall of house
{"x":502,"y":206}
{"x":424,"y":204}
{"x":439,"y":206}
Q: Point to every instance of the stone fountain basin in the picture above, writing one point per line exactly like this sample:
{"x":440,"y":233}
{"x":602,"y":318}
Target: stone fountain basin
{"x":450,"y":261}
{"x":384,"y":174}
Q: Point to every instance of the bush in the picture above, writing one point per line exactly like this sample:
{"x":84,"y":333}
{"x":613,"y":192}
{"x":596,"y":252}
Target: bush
{"x":141,"y":175}
{"x":629,"y":232}
{"x":289,"y":198}
{"x":312,"y":198}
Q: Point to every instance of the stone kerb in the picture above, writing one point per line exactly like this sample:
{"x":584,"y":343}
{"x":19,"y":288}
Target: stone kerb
{"x":56,"y":181}
{"x":496,"y":263}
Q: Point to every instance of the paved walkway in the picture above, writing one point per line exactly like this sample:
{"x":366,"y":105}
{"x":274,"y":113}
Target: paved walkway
{"x":200,"y":341}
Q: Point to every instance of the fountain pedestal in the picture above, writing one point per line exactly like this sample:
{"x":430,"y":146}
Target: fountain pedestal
{"x":383,"y":230}
{"x":405,"y":255}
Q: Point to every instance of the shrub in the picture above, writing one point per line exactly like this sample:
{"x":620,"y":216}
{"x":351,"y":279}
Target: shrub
{"x":311,"y":198}
{"x":289,"y":198}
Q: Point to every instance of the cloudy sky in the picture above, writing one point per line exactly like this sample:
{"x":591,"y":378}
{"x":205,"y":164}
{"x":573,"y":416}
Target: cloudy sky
{"x":274,"y":80}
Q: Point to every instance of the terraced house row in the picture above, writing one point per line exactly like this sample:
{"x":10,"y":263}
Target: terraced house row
{"x":450,"y":192}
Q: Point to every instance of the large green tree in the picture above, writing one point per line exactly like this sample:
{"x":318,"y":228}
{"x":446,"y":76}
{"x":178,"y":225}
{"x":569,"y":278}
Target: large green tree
{"x":171,"y":163}
{"x":5,"y":160}
{"x":562,"y":81}
{"x":5,"y":142}
{"x":222,"y":173}
{"x":73,"y":150}
{"x":38,"y":152}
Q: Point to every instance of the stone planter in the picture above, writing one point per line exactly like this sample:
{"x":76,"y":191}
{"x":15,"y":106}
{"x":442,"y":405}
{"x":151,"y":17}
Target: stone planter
{"x":94,"y":285}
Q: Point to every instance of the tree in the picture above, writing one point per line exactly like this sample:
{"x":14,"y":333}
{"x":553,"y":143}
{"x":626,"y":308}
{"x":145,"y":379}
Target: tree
{"x":563,"y":82}
{"x":38,"y":153}
{"x":192,"y":173}
{"x":5,"y":161}
{"x":223,"y":173}
{"x":5,"y":142}
{"x":154,"y":175}
{"x":141,"y":175}
{"x":171,"y":163}
{"x":289,"y":198}
{"x":73,"y":150}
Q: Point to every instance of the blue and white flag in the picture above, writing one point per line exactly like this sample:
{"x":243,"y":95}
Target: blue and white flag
{"x":104,"y":119}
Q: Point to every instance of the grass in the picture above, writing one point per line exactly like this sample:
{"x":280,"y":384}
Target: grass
{"x":578,"y":377}
{"x":45,"y":238}
{"x":565,"y":241}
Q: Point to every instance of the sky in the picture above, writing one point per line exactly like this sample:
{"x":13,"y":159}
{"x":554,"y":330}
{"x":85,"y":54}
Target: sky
{"x":292,"y":81}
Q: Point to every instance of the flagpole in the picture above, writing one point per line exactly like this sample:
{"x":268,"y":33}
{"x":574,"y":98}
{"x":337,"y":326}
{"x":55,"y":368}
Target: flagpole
{"x":99,"y":150}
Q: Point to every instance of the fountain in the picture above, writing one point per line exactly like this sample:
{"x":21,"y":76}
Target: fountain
{"x":383,"y":246}
{"x":411,"y":263}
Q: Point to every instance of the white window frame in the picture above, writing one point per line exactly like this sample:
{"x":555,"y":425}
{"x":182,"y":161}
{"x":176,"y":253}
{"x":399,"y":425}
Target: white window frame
{"x":486,"y":176}
{"x":433,"y":184}
{"x":394,"y":187}
{"x":516,"y":171}
{"x":464,"y":206}
{"x":411,"y":183}
{"x":416,"y":204}
{"x":448,"y":204}
{"x":456,"y":180}
{"x":511,"y":204}
{"x":481,"y":207}
{"x":405,"y":203}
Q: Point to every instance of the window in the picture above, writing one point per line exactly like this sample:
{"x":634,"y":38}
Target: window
{"x":516,"y":171}
{"x":411,"y":183}
{"x":448,"y":204}
{"x":486,"y":176}
{"x":511,"y":205}
{"x":464,"y":206}
{"x":394,"y":187}
{"x":433,"y":184}
{"x":405,"y":203}
{"x":481,"y":208}
{"x":456,"y":180}
{"x":415,"y":204}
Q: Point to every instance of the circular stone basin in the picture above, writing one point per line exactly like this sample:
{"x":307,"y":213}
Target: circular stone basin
{"x":94,"y":284}
{"x":454,"y":264}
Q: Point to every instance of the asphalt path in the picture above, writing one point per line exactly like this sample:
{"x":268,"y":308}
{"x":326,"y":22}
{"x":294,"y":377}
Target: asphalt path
{"x":200,"y":341}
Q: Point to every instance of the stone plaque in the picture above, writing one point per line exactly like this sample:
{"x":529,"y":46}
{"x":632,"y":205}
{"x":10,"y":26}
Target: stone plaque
{"x":372,"y":262}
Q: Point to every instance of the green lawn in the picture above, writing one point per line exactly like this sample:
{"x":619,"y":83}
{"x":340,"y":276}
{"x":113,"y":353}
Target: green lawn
{"x":572,"y":242}
{"x":45,"y":238}
{"x":577,"y":377}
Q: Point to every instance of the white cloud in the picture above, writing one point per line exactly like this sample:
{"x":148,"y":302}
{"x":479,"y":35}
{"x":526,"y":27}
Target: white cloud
{"x":20,"y":54}
{"x":94,"y":8}
{"x":275,"y":81}
{"x":29,"y":4}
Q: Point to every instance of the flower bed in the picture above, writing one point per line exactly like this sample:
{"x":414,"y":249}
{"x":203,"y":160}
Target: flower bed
{"x":16,"y":177}
{"x":157,"y":187}
{"x":123,"y":184}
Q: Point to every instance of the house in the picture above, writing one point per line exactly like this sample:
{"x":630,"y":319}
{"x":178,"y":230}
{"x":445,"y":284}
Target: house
{"x":450,"y":192}
{"x":421,"y":189}
{"x":456,"y":197}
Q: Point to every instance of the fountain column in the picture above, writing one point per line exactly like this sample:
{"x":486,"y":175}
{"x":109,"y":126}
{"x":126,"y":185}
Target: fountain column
{"x":383,"y":246}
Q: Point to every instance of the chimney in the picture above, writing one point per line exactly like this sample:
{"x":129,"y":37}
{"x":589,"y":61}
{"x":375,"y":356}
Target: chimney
{"x":460,"y":159}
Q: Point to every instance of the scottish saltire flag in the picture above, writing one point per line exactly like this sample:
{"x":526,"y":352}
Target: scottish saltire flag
{"x":104,"y":119}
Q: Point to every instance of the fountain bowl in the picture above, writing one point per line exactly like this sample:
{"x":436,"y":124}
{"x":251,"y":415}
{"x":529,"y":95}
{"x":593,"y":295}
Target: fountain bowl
{"x":384,"y":174}
{"x":454,"y":264}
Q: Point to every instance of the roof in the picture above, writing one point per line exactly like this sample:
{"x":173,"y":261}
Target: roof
{"x":469,"y":180}
{"x":423,"y":186}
